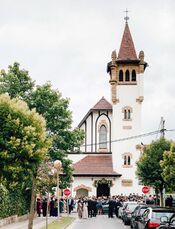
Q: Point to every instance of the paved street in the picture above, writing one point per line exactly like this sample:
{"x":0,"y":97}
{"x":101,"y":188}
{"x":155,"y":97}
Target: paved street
{"x":99,"y":222}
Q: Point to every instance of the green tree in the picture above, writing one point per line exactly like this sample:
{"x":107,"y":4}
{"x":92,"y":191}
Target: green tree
{"x":149,"y":170}
{"x":168,"y":167}
{"x":16,"y":82}
{"x":23,"y":144}
{"x":54,"y":109}
{"x":23,"y":140}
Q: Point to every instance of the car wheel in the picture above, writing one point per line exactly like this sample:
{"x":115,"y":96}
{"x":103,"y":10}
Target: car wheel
{"x":125,"y":222}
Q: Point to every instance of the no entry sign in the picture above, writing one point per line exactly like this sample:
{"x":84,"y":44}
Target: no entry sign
{"x":67,"y":192}
{"x":145,"y":189}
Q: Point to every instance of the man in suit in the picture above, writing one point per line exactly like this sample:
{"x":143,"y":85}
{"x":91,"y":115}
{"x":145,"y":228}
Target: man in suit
{"x":111,"y":207}
{"x":94,"y":206}
{"x":90,"y":207}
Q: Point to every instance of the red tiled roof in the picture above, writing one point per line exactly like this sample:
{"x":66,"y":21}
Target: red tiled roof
{"x":127,"y":49}
{"x":102,"y":104}
{"x":98,"y":164}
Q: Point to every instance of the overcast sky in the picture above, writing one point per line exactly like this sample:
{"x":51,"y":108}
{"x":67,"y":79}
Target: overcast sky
{"x":69,"y":42}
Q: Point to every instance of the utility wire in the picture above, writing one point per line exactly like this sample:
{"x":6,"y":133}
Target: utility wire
{"x":170,"y":130}
{"x":126,"y":138}
{"x":129,"y":138}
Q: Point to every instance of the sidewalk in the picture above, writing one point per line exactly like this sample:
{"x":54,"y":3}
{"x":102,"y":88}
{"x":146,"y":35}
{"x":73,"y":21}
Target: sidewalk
{"x":37,"y":223}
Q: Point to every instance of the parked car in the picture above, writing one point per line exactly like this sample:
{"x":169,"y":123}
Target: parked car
{"x":151,"y":217}
{"x":138,"y":211}
{"x":167,"y":223}
{"x":121,"y":209}
{"x":127,"y":212}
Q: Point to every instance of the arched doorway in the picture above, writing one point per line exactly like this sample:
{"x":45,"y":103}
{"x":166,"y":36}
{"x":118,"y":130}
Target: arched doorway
{"x":82,"y":192}
{"x":103,"y":190}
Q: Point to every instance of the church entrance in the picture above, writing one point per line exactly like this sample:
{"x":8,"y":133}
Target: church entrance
{"x":103,"y":190}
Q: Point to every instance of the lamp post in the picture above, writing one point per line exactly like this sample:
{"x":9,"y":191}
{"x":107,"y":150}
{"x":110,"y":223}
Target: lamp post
{"x":57,"y":166}
{"x":72,"y":180}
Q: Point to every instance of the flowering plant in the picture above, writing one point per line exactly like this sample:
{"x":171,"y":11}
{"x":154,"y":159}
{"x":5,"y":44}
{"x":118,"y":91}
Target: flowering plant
{"x":103,"y":181}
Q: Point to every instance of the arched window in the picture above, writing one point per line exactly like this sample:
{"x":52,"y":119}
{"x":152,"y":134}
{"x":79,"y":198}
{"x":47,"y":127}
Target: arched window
{"x":127,"y":77}
{"x":127,"y":114}
{"x":133,"y":75}
{"x":103,"y":137}
{"x":129,"y":160}
{"x":125,"y":160}
{"x":121,"y":76}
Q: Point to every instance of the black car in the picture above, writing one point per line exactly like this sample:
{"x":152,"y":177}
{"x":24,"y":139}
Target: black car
{"x":127,"y":212}
{"x":151,"y":217}
{"x":136,"y":215}
{"x":167,"y":223}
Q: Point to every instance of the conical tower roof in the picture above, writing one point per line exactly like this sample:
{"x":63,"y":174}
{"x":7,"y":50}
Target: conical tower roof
{"x":127,"y":49}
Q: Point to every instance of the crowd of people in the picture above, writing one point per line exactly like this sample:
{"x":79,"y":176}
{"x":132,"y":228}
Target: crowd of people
{"x":91,"y":206}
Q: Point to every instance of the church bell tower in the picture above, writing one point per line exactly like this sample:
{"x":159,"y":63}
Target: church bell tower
{"x":126,"y":71}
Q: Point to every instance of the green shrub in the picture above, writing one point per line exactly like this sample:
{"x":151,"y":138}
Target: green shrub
{"x":13,"y":202}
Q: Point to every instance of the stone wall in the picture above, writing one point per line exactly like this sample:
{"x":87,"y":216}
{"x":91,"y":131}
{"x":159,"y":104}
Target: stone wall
{"x":13,"y":219}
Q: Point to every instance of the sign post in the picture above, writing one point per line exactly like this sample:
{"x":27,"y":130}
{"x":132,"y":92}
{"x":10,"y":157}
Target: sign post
{"x":145,"y":190}
{"x":67,"y":192}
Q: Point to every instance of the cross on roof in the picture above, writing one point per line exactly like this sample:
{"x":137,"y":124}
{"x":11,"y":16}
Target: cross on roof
{"x":126,"y":18}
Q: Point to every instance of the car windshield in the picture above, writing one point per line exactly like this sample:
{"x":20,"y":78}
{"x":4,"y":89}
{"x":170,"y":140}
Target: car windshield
{"x":157,"y":215}
{"x":142,"y":210}
{"x":131,"y":207}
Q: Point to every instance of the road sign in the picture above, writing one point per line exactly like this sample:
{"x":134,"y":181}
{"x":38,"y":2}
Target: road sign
{"x":145,"y":189}
{"x":67,"y":192}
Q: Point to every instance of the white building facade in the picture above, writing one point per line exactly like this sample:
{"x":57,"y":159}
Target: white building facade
{"x":107,"y":166}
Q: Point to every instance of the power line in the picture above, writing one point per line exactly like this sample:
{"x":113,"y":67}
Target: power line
{"x":131,"y":137}
{"x":170,"y":130}
{"x":126,"y":138}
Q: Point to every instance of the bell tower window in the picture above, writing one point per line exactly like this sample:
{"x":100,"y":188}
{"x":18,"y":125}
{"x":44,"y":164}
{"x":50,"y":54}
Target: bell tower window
{"x":127,"y":76}
{"x":103,"y":137}
{"x":133,"y":75}
{"x":121,"y":76}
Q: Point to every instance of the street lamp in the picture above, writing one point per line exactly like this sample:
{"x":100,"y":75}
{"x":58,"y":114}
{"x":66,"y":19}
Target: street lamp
{"x":57,"y":166}
{"x":72,"y":180}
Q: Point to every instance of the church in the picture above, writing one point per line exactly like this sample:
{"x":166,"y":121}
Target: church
{"x":107,"y":164}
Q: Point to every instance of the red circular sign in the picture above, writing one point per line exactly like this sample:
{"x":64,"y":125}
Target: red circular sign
{"x":67,"y":192}
{"x":145,"y":189}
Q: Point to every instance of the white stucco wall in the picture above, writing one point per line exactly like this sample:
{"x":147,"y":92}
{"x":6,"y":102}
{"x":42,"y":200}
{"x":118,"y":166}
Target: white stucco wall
{"x":127,"y":95}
